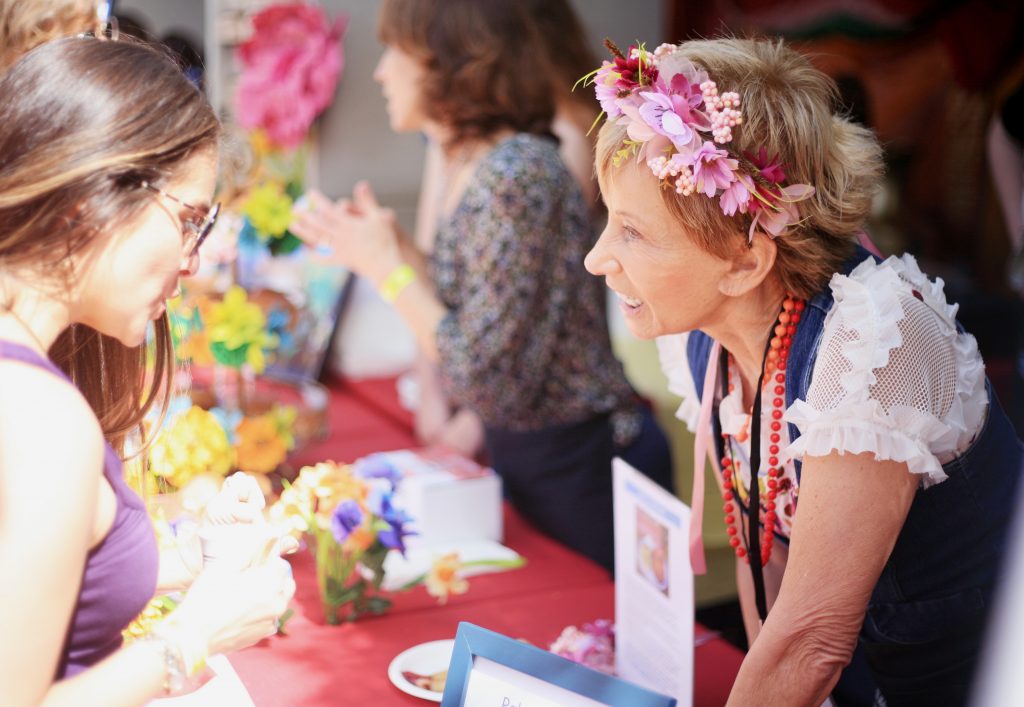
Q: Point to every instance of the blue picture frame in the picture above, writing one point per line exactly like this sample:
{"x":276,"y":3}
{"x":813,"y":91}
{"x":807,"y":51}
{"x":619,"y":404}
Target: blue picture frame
{"x":472,"y":641}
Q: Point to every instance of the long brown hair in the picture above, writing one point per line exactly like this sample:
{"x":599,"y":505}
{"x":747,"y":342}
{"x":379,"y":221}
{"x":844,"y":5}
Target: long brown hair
{"x":85,"y":122}
{"x":486,"y":69}
{"x":569,"y":54}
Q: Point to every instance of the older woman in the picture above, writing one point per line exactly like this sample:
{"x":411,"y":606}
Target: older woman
{"x":884,"y":464}
{"x":516,"y":326}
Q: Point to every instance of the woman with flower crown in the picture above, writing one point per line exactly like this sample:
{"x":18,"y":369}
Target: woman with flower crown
{"x":515,"y":324}
{"x":884,"y":466}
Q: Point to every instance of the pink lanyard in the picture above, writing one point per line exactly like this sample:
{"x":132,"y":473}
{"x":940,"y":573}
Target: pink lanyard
{"x":702,"y":449}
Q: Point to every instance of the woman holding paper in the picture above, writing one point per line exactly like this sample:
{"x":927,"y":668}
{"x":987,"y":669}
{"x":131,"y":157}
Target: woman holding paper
{"x":885,"y":466}
{"x":108,"y":157}
{"x":503,"y":306}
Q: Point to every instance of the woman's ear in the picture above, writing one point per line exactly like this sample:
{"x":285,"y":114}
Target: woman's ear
{"x":749,"y":266}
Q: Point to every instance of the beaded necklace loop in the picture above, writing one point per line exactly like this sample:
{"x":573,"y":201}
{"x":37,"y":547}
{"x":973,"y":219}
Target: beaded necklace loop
{"x":774,"y":385}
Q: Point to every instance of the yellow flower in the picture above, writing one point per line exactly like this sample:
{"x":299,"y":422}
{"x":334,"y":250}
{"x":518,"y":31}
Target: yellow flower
{"x":237,"y":331}
{"x":292,"y":510}
{"x":269,"y":210}
{"x":194,"y":443}
{"x":260,"y":447}
{"x":444,"y":578}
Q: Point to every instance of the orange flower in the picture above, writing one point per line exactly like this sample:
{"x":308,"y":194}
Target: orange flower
{"x":444,"y":578}
{"x":260,"y":447}
{"x":359,"y":540}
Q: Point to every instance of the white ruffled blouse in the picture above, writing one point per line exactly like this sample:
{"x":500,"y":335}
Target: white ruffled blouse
{"x":893,"y":376}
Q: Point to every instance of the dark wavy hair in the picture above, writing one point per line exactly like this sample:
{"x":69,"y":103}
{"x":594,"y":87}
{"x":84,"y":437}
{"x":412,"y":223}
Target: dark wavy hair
{"x":85,"y":122}
{"x":486,"y":67}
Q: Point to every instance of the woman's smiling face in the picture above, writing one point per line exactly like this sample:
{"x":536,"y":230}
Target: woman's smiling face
{"x":665,"y":282}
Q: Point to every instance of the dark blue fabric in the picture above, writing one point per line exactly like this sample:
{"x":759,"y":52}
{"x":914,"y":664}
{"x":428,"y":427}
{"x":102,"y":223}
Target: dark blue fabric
{"x":925,"y":621}
{"x":560,"y":478}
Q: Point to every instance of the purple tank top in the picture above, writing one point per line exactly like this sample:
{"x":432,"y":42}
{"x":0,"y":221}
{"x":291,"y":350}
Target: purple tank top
{"x":120,"y":572}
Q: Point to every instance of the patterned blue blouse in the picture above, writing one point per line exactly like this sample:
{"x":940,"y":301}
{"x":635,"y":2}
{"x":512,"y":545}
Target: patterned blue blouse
{"x":525,"y":343}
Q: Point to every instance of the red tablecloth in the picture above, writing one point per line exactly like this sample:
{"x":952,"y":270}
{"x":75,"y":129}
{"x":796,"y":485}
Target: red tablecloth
{"x":316,"y":664}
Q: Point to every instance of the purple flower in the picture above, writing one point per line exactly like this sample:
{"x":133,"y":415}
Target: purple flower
{"x":377,"y":466}
{"x":346,"y":518}
{"x":395,"y":532}
{"x":713,"y":169}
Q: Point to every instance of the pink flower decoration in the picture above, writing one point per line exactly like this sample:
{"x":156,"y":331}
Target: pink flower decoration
{"x":291,"y":66}
{"x":713,"y":169}
{"x":604,"y":87}
{"x":736,"y":197}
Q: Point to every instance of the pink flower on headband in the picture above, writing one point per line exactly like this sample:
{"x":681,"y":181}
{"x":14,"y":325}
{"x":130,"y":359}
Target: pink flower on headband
{"x":291,"y":66}
{"x":672,"y":111}
{"x":713,"y":169}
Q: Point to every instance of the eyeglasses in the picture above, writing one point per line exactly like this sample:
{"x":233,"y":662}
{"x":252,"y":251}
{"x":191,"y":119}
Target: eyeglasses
{"x":195,"y":233}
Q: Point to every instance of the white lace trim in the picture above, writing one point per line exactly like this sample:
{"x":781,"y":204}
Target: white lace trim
{"x":676,"y":367}
{"x":844,"y":410}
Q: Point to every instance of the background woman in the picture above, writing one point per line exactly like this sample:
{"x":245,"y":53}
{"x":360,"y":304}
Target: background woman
{"x":881,"y":507}
{"x":518,"y":330}
{"x":107,"y":164}
{"x":568,"y":57}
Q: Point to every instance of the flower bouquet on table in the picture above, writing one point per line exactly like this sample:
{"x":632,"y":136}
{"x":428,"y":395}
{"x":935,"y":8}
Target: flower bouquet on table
{"x":349,"y":517}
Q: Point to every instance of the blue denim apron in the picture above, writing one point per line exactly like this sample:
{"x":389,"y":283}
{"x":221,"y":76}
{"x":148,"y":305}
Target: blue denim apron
{"x":925,"y":621}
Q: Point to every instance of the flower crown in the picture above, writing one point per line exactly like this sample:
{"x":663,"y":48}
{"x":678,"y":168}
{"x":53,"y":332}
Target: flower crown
{"x":675,"y":116}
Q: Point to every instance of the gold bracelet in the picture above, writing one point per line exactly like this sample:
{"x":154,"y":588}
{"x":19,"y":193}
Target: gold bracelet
{"x":396,"y":281}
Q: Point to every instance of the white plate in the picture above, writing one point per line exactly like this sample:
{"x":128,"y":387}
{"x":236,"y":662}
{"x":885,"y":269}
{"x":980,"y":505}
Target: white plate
{"x":426,"y":659}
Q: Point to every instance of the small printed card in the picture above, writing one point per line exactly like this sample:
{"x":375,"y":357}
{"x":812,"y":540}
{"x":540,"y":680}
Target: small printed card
{"x":653,"y":586}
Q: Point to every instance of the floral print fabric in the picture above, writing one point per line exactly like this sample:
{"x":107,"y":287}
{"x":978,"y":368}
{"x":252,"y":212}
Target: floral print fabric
{"x":525,"y":343}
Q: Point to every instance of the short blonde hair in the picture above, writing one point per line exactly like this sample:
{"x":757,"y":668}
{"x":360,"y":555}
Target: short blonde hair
{"x":25,"y":24}
{"x":789,"y":109}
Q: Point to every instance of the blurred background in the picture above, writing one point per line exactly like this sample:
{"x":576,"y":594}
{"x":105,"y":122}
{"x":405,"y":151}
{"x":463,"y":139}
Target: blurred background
{"x":938,"y":81}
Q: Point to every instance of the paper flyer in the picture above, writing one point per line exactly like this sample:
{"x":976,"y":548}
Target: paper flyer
{"x":653,"y":586}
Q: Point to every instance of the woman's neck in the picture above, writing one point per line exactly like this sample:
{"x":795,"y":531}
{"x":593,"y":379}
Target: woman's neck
{"x":744,"y":329}
{"x":33,"y":320}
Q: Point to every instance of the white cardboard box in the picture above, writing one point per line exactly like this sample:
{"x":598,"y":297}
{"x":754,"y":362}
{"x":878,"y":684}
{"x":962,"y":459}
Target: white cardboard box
{"x":450,"y":498}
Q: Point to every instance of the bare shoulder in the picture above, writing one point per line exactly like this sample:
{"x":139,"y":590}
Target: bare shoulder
{"x":48,"y":429}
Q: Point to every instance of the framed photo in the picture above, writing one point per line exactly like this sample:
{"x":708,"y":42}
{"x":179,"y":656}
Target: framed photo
{"x":492,"y":670}
{"x":302,"y":296}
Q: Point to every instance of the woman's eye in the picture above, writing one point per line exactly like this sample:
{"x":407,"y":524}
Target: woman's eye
{"x":631,"y":233}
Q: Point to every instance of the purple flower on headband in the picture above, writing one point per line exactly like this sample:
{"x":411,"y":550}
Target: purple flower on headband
{"x":713,"y":169}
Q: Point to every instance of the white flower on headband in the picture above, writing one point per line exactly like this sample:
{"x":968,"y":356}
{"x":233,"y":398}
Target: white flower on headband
{"x":675,"y":116}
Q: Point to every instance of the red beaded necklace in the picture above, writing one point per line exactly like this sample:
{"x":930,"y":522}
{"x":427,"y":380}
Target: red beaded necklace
{"x":774,"y":367}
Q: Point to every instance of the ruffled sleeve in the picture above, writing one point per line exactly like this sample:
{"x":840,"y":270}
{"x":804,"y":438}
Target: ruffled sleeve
{"x":893,"y":376}
{"x":676,"y":367}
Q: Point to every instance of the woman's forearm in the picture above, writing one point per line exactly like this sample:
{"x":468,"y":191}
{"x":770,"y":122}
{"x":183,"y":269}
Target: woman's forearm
{"x":793,"y":667}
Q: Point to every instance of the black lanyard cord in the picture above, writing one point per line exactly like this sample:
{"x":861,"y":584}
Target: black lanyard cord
{"x":754,"y":510}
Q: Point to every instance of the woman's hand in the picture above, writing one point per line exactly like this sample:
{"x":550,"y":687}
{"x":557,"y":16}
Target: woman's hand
{"x":240,"y":500}
{"x":361,"y":234}
{"x":232,"y":609}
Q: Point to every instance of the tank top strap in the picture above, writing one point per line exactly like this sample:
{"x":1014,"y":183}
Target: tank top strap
{"x":23,"y":354}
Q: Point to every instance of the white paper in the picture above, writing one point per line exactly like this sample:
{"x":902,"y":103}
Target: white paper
{"x":399,"y":571}
{"x":495,"y":685}
{"x":224,"y":689}
{"x":653,"y":586}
